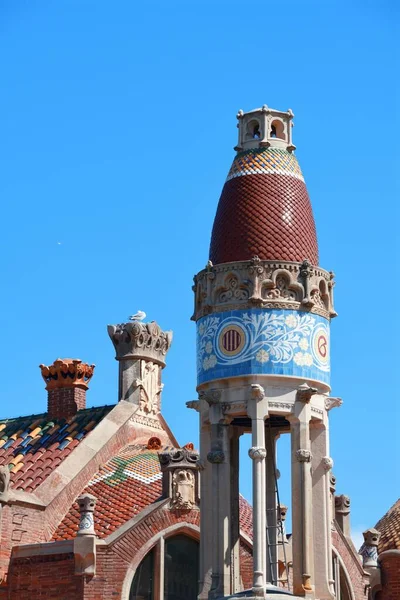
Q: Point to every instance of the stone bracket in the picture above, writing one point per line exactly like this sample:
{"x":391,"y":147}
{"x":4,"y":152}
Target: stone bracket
{"x":85,"y":555}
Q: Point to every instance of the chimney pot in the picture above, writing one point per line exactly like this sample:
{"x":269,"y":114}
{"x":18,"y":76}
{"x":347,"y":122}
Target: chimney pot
{"x":66,"y":381}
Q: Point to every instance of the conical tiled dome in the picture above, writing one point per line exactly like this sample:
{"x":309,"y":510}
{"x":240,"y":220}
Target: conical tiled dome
{"x":264,"y":210}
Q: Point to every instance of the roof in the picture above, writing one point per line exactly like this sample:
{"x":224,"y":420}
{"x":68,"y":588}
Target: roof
{"x":264,"y":210}
{"x":34,"y":446}
{"x":124,"y":486}
{"x":389,"y":527}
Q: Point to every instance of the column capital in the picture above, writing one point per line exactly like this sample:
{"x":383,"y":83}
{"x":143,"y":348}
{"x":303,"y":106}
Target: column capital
{"x":305,"y":392}
{"x":257,"y":403}
{"x":216,"y":457}
{"x":303,"y":455}
{"x":257,"y":453}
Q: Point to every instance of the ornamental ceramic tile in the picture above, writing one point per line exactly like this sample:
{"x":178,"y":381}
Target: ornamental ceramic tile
{"x":265,"y":161}
{"x":270,"y":342}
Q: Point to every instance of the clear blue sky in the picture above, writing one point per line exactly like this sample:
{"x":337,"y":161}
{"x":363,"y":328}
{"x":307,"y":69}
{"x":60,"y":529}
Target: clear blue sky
{"x":117,"y":128}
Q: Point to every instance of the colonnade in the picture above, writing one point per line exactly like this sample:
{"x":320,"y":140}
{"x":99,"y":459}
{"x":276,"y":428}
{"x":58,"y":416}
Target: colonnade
{"x":311,"y":504}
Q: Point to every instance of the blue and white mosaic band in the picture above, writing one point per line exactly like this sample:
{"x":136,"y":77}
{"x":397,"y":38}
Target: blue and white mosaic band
{"x":263,"y":342}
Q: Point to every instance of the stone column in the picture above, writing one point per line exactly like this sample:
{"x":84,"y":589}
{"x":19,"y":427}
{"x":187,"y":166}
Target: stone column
{"x":224,"y":549}
{"x":321,"y":510}
{"x":271,"y":437}
{"x":257,"y":409}
{"x":206,"y":510}
{"x":303,"y":567}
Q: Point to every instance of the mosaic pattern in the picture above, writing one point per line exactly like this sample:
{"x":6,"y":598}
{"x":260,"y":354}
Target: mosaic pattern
{"x":34,"y":446}
{"x":266,"y":161}
{"x":124,"y":486}
{"x":265,"y":342}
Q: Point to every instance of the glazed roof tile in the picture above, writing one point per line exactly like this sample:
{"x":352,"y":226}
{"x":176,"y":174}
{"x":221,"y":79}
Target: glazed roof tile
{"x":264,"y":210}
{"x":389,"y":526}
{"x":124,"y":486}
{"x":32,"y":447}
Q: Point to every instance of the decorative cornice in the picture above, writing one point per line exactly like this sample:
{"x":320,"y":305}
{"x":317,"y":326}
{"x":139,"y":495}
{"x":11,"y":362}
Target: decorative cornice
{"x":267,"y":284}
{"x":140,"y":340}
{"x":67,"y":373}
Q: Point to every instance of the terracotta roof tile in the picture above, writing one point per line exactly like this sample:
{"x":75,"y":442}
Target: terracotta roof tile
{"x":389,"y":526}
{"x":124,"y":486}
{"x":34,"y":446}
{"x":264,"y":210}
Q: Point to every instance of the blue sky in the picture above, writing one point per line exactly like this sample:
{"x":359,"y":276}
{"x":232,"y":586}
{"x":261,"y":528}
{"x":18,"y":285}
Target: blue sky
{"x":117,"y":129}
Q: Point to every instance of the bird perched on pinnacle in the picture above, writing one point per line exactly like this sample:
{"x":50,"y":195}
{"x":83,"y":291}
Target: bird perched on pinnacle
{"x":139,"y":316}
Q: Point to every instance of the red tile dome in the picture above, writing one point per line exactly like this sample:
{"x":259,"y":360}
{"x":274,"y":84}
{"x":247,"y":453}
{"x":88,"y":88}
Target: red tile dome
{"x":264,"y":210}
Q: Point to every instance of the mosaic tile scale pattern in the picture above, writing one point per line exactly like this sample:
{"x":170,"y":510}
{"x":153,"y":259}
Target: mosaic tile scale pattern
{"x":267,"y":161}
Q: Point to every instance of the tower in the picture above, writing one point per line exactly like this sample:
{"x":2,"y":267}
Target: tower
{"x":262,"y":310}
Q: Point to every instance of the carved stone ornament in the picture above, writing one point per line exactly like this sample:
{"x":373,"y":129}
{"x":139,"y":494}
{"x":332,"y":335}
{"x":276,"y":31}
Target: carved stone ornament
{"x":369,"y":550}
{"x":150,"y":387}
{"x":332,"y":483}
{"x":178,"y":457}
{"x":4,"y":484}
{"x":140,"y":340}
{"x":257,"y":391}
{"x":327,"y":463}
{"x":303,"y":455}
{"x":194,"y":404}
{"x":216,"y":457}
{"x":269,"y":284}
{"x":210,"y":396}
{"x":342,"y":504}
{"x":257,"y":453}
{"x":154,"y":443}
{"x":183,"y":490}
{"x":305,"y":392}
{"x":332,"y":403}
{"x":86,"y":504}
{"x":67,"y":373}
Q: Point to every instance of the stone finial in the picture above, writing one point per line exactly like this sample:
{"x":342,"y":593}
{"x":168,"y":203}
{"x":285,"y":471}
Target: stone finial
{"x":180,"y":477}
{"x":369,"y":550}
{"x":4,"y":484}
{"x":67,"y":373}
{"x":135,"y":340}
{"x":86,"y":504}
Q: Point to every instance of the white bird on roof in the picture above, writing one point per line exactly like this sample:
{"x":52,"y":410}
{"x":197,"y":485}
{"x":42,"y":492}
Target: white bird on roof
{"x":139,"y":316}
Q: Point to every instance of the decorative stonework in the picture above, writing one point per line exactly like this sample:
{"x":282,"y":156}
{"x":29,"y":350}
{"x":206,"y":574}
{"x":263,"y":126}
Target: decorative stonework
{"x":257,"y":453}
{"x":86,"y":504}
{"x":150,"y":387}
{"x":140,"y":340}
{"x":154,"y":443}
{"x":332,"y":403}
{"x":369,"y":550}
{"x":210,"y":396}
{"x":147,"y":421}
{"x":342,"y":504}
{"x":67,"y":373}
{"x":4,"y":484}
{"x":266,"y":284}
{"x":327,"y":463}
{"x":303,"y":455}
{"x":305,"y":392}
{"x":216,"y":457}
{"x":180,"y":477}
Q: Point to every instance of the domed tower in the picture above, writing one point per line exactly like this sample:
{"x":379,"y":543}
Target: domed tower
{"x":263,"y":308}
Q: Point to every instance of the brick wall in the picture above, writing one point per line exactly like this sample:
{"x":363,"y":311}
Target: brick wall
{"x":246,"y":565}
{"x":390,"y":573}
{"x":50,"y":577}
{"x":353,"y":566}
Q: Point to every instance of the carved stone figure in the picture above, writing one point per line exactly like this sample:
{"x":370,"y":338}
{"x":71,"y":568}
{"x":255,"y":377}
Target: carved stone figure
{"x":183,"y":490}
{"x":369,"y":550}
{"x":303,"y":455}
{"x":150,"y":388}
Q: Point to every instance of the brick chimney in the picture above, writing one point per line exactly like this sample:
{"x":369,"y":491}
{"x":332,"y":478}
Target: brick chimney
{"x":66,"y":384}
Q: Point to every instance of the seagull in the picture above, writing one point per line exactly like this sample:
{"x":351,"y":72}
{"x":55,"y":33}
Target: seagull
{"x":139,"y":316}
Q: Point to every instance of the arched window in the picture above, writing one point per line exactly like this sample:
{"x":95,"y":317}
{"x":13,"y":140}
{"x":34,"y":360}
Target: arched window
{"x":341,"y":580}
{"x":170,"y":571}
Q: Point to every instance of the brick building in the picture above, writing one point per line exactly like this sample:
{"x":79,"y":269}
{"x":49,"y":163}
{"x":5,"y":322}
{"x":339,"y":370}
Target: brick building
{"x":100,"y":503}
